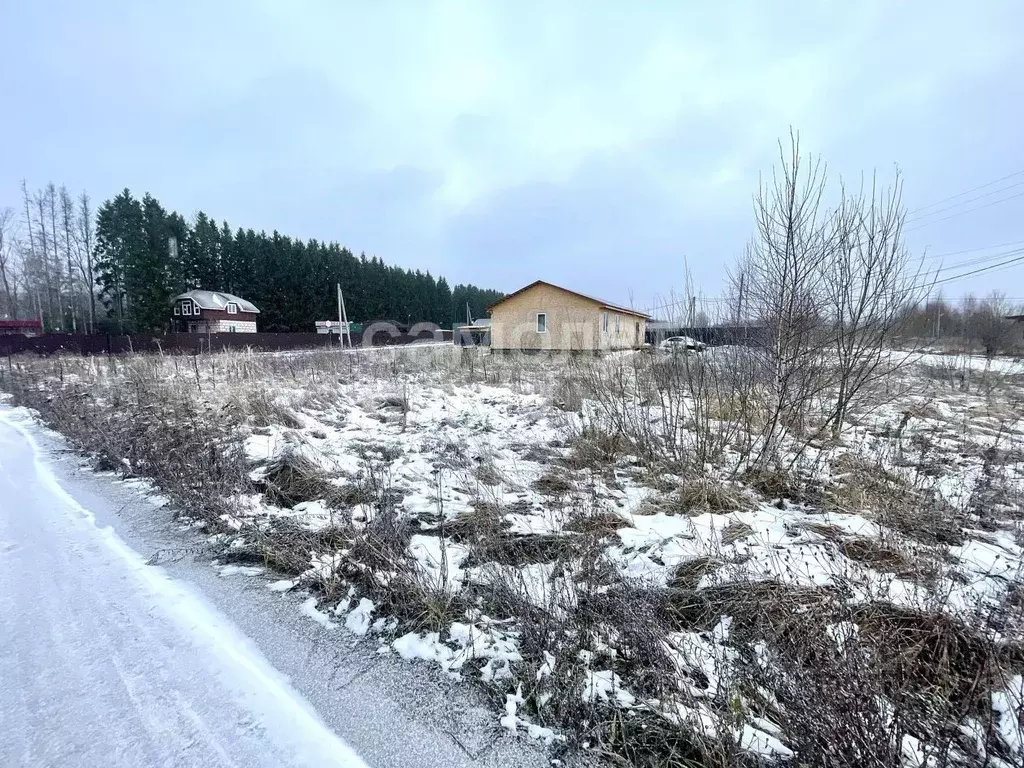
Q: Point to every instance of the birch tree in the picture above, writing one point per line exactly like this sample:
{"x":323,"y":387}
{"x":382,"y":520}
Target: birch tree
{"x":782,"y":267}
{"x":867,"y":285}
{"x":8,"y":277}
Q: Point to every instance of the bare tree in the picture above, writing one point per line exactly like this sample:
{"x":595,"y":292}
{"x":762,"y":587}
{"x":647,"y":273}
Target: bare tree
{"x":987,"y":324}
{"x":67,"y":215}
{"x":41,"y":265}
{"x":50,"y":196}
{"x":867,"y":284}
{"x":781,"y":272}
{"x":84,"y":228}
{"x":7,"y":261}
{"x":33,"y":263}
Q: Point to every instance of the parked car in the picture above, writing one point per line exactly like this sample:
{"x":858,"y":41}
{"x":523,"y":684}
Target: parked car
{"x":679,"y":344}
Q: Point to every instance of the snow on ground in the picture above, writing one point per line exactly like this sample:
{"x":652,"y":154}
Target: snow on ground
{"x":448,"y":451}
{"x":126,"y":665}
{"x":449,"y":447}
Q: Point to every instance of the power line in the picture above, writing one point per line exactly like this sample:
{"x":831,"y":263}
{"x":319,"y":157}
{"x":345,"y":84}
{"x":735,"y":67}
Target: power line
{"x":979,"y":260}
{"x":989,"y":268}
{"x":961,"y":213}
{"x":974,"y":250}
{"x":961,"y":194}
{"x":912,"y":219}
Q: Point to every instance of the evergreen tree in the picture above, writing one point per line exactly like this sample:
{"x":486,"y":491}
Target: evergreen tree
{"x":120,"y":242}
{"x":203,"y":260}
{"x":293,"y":282}
{"x":148,"y":277}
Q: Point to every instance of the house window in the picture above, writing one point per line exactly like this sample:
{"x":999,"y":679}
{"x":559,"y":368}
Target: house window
{"x":186,"y":308}
{"x":177,"y":309}
{"x":542,"y":322}
{"x":604,"y":322}
{"x":231,"y":328}
{"x":618,"y":323}
{"x":232,"y":308}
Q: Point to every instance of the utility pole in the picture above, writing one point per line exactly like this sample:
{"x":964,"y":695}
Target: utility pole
{"x":469,"y":320}
{"x":343,"y":317}
{"x":739,"y":303}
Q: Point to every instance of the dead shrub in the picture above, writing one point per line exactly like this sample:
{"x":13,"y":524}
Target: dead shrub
{"x":689,"y":574}
{"x":551,"y":484}
{"x":772,"y":482}
{"x":263,"y":410}
{"x":931,"y":521}
{"x":519,"y":549}
{"x":380,"y":548}
{"x":882,"y":557}
{"x":484,"y":521}
{"x":703,"y":493}
{"x":934,"y":651}
{"x":735,"y":531}
{"x":293,"y":478}
{"x":596,"y":449}
{"x":569,"y":393}
{"x":488,"y":474}
{"x":596,"y":523}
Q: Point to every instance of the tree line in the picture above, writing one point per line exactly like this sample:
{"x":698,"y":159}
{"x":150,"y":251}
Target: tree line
{"x":119,"y":271}
{"x":971,"y":322}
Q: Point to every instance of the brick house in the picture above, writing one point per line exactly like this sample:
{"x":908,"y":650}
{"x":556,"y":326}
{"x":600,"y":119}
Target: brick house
{"x":213,"y":312}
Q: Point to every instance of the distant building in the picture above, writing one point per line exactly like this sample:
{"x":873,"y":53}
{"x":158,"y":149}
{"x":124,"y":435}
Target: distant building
{"x":544,"y":316}
{"x":476,"y":334}
{"x":336,"y":326}
{"x":213,"y":312}
{"x":20,"y":328}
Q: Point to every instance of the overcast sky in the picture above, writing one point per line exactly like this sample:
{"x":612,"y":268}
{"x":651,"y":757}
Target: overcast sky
{"x":601,"y":145}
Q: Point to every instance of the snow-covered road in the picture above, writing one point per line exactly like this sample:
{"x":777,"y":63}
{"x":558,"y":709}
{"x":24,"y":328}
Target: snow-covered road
{"x":107,"y":661}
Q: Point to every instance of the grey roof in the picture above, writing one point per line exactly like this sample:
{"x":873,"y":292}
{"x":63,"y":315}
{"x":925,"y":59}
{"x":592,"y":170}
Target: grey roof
{"x":217,"y":300}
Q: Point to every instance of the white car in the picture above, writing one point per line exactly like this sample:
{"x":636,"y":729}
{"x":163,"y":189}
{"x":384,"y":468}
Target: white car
{"x":678,"y":344}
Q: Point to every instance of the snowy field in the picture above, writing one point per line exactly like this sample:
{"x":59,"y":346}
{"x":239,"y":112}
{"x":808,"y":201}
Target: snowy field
{"x":594,"y":542}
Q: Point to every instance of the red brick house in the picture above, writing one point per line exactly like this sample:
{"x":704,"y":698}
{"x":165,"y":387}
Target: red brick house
{"x":20,"y":327}
{"x":213,"y":312}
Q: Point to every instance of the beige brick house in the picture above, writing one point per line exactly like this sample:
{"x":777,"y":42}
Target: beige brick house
{"x":543,"y":316}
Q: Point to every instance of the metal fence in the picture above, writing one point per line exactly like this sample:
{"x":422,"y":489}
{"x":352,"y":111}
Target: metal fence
{"x":713,"y":336}
{"x":378,"y":335}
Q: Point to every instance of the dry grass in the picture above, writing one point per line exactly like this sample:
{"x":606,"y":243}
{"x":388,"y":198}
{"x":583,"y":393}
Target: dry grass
{"x":932,"y":669}
{"x":706,"y":494}
{"x":522,"y":549}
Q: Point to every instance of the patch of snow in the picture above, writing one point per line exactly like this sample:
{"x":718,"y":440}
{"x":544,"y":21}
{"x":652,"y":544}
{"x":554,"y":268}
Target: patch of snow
{"x":1009,"y":706}
{"x":308,"y":608}
{"x":358,"y":619}
{"x":240,"y":570}
{"x":757,"y":742}
{"x":605,"y":686}
{"x":426,"y":646}
{"x":439,"y":561}
{"x":512,"y":721}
